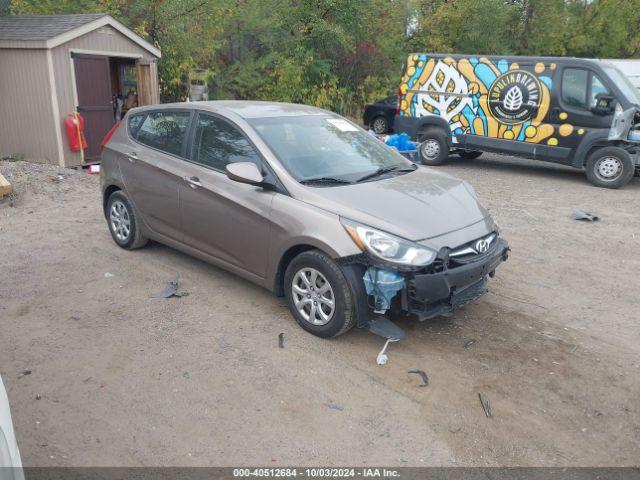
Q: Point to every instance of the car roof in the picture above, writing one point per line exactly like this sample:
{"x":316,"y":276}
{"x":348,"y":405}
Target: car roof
{"x":244,"y":108}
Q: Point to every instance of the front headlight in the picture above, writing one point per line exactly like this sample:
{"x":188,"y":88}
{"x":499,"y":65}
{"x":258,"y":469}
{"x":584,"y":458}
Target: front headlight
{"x":388,"y":247}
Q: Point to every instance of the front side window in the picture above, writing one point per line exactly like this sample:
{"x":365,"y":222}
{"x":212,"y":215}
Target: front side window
{"x":596,"y":88}
{"x":164,"y":131}
{"x":217,"y":143}
{"x":575,"y":87}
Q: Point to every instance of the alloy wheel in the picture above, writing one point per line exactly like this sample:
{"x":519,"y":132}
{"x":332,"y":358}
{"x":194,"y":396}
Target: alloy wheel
{"x":120,"y":221}
{"x":313,"y":296}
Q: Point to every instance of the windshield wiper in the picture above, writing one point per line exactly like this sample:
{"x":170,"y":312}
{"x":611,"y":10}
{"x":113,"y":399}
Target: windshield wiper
{"x":383,"y":170}
{"x":309,"y":181}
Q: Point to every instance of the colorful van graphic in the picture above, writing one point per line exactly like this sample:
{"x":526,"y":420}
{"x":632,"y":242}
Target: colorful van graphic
{"x":553,"y":109}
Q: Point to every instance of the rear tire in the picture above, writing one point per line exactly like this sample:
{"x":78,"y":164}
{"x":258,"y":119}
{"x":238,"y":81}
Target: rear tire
{"x":380,"y":125}
{"x":469,"y":154}
{"x":610,"y":167}
{"x":123,"y":223}
{"x":324,"y":312}
{"x":434,"y":146}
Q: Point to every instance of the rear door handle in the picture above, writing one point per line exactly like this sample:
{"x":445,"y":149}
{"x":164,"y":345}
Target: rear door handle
{"x":132,"y":156}
{"x":194,"y":182}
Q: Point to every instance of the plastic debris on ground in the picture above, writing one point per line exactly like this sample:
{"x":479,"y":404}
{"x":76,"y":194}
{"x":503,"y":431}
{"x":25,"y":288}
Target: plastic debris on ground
{"x":423,"y":375}
{"x":171,"y":290}
{"x":93,"y":169}
{"x":382,"y":357}
{"x":401,"y":142}
{"x":485,"y":406}
{"x":469,"y":342}
{"x":281,"y":340}
{"x":24,"y":373}
{"x":585,"y":216}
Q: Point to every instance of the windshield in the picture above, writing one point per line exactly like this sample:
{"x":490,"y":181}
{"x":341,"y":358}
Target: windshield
{"x":315,"y":147}
{"x":623,"y":83}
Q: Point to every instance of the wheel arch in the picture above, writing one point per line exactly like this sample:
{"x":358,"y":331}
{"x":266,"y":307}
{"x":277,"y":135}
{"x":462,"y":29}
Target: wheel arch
{"x":108,"y":191}
{"x":285,"y":259}
{"x":430,"y":121}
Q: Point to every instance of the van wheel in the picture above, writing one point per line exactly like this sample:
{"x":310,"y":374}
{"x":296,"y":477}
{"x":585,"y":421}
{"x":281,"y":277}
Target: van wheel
{"x":434,"y":146}
{"x":319,"y":295}
{"x":610,"y":167}
{"x":469,"y":154}
{"x":123,"y":223}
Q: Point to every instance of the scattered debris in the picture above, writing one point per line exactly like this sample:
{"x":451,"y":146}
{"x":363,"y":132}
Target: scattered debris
{"x":171,"y":290}
{"x":425,"y":378}
{"x":5,"y":186}
{"x":186,"y":375}
{"x":382,"y":358}
{"x":469,"y":342}
{"x":38,"y":396}
{"x":109,"y":275}
{"x":281,"y":340}
{"x":334,"y":406}
{"x":24,"y":373}
{"x":485,"y":406}
{"x":582,"y":215}
{"x":94,"y":169}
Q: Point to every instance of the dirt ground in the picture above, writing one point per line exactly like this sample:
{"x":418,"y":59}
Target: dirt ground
{"x":121,"y":379}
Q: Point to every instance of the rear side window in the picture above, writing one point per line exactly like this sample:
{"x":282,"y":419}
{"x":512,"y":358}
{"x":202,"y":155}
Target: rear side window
{"x":134,"y":123}
{"x":217,"y":143}
{"x":164,"y":131}
{"x":575,"y":87}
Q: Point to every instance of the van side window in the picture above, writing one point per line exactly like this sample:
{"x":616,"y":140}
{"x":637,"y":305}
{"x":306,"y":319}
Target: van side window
{"x":575,"y":86}
{"x":164,"y":131}
{"x":596,"y":88}
{"x":217,"y":143}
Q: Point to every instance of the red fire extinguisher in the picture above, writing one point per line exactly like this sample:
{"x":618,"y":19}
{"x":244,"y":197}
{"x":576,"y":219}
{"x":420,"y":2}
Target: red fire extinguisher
{"x":74,"y":125}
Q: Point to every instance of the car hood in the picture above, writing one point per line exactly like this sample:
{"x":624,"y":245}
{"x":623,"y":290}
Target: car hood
{"x":419,"y":205}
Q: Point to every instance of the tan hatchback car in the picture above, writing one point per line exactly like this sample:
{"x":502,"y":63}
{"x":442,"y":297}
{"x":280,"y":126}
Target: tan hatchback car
{"x":306,"y":204}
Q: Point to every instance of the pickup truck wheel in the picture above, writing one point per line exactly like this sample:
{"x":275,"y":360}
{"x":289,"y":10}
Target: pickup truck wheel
{"x":434,"y":146}
{"x":380,"y":125}
{"x":610,"y":167}
{"x":469,"y":154}
{"x":122,"y":222}
{"x":319,"y":295}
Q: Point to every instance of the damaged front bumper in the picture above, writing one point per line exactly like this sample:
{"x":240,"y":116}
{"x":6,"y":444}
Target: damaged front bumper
{"x":459,"y":282}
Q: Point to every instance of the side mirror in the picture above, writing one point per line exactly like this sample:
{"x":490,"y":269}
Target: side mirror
{"x":244,"y":172}
{"x":603,"y":104}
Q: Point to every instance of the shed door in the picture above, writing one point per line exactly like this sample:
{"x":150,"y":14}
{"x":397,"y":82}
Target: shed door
{"x":93,"y":84}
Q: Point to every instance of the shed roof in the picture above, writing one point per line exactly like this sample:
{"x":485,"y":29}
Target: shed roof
{"x":41,"y":27}
{"x":49,"y":31}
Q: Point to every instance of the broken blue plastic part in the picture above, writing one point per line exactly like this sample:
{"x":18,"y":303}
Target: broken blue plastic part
{"x":383,"y":285}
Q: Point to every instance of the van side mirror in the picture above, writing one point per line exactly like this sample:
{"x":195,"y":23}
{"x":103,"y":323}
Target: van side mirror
{"x":603,"y":104}
{"x":244,"y":172}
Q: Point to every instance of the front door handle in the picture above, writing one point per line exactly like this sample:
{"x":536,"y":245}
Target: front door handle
{"x":132,"y":156}
{"x":194,"y":182}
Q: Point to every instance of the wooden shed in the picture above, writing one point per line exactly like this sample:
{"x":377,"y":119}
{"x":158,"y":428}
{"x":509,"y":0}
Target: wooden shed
{"x":52,"y":65}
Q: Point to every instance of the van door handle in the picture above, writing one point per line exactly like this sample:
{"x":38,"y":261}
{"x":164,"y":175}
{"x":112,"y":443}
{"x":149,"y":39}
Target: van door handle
{"x":194,"y":182}
{"x":132,"y":156}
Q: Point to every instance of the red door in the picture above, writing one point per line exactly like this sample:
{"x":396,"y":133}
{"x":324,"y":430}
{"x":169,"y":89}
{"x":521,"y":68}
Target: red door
{"x":93,"y":84}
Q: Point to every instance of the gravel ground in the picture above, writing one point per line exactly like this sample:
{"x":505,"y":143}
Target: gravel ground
{"x":121,"y":379}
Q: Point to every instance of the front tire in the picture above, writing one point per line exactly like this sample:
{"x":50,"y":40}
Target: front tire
{"x":122,"y":221}
{"x":434,"y":146}
{"x":318,"y":295}
{"x":610,"y":167}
